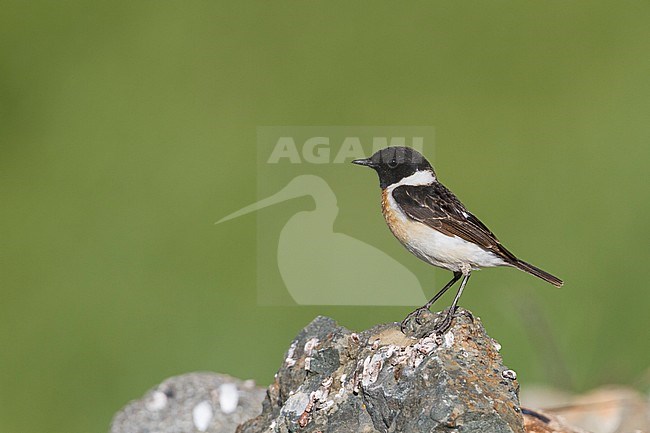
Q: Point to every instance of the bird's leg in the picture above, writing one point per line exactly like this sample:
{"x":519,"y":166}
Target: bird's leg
{"x":428,"y":305}
{"x":443,"y":326}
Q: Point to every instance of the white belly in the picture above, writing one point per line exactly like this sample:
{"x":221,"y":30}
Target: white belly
{"x":449,"y":252}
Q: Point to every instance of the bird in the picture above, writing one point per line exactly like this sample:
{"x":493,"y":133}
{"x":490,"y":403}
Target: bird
{"x":434,"y":225}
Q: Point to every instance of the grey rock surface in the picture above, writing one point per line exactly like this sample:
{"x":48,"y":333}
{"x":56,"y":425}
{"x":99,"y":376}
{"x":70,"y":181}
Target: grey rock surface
{"x":194,"y":402}
{"x":334,"y":380}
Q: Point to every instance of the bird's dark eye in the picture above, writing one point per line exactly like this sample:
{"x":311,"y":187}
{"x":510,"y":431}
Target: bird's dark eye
{"x":392,"y":163}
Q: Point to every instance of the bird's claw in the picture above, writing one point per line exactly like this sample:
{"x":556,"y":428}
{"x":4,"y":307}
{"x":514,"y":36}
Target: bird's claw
{"x":445,"y":324}
{"x":407,"y":319}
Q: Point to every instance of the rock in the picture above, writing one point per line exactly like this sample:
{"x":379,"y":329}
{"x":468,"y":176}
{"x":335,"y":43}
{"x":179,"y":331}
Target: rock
{"x":536,"y":421}
{"x":609,"y":409}
{"x":204,"y":402}
{"x":334,"y":380}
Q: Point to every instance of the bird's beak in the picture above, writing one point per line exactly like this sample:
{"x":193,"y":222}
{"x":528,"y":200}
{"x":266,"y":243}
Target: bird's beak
{"x":367,"y":162}
{"x":287,"y":193}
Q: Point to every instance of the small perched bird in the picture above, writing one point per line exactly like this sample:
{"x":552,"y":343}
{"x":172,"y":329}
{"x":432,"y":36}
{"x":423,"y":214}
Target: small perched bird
{"x":435,"y":226}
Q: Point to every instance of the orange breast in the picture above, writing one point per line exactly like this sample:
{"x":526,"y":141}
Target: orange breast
{"x":396,"y":224}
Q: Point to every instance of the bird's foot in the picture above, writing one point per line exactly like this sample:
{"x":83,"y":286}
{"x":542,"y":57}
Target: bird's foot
{"x":443,"y":326}
{"x":466,"y":313}
{"x":413,"y":315}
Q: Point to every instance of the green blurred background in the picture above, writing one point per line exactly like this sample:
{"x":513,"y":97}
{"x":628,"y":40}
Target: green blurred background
{"x":128,"y":128}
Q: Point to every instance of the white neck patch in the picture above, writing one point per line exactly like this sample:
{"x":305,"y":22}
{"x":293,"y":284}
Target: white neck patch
{"x":421,"y":177}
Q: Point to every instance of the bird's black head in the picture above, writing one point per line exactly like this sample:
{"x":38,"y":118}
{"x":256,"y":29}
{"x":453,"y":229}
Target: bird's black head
{"x":393,"y":164}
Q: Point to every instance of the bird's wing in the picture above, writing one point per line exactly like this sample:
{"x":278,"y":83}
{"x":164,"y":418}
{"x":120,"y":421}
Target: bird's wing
{"x":437,"y":207}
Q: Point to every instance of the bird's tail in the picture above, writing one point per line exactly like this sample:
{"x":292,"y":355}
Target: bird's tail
{"x":527,"y":267}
